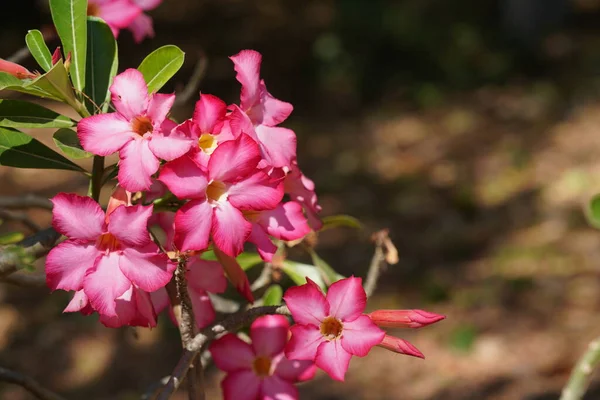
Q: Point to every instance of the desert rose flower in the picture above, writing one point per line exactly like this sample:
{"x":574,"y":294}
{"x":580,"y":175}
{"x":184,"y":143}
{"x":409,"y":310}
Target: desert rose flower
{"x":135,"y":131}
{"x":104,"y":258}
{"x":16,"y":70}
{"x":302,"y":189}
{"x":330,"y":329}
{"x":118,"y":14}
{"x":260,"y":371}
{"x":141,"y":27}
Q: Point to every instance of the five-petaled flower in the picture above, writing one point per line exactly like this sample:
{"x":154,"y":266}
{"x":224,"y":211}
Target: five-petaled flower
{"x":125,"y":14}
{"x":260,"y":371}
{"x":330,"y":329}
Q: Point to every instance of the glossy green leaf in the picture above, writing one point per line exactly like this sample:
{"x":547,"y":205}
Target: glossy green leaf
{"x":11,"y":238}
{"x":68,"y":142}
{"x":246,"y":260}
{"x":593,"y":211}
{"x":329,"y":274}
{"x":335,"y":221}
{"x":102,"y":63}
{"x":70,"y":20}
{"x":273,"y":295}
{"x":56,"y":83}
{"x":22,"y":114}
{"x":22,"y":151}
{"x":160,"y":66}
{"x":38,"y":48}
{"x":298,"y":272}
{"x":9,"y":82}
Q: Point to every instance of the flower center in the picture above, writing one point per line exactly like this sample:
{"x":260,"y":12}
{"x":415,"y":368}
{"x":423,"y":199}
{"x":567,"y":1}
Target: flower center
{"x":93,"y":9}
{"x":207,"y":143}
{"x":331,"y":328}
{"x":107,"y":242}
{"x":216,"y":191}
{"x":142,"y":125}
{"x":262,"y":366}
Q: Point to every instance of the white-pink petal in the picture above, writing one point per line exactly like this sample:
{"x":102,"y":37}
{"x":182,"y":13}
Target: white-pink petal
{"x":193,"y":224}
{"x":275,"y":388}
{"x":141,"y":27}
{"x":172,"y":144}
{"x":274,"y":111}
{"x":147,"y":268}
{"x":79,"y":303}
{"x":158,"y":107}
{"x":184,"y":178}
{"x":277,"y":144}
{"x":147,"y":4}
{"x":333,"y":359}
{"x":129,"y":93}
{"x":263,"y":242}
{"x":130,"y":224}
{"x":307,"y":304}
{"x":105,"y":283}
{"x":229,"y":229}
{"x":77,"y":217}
{"x":304,"y":342}
{"x":256,"y":192}
{"x":347,"y":299}
{"x":269,"y":335}
{"x":67,"y":264}
{"x":360,"y":335}
{"x":137,"y":165}
{"x":209,"y":113}
{"x":231,"y":354}
{"x":294,"y":370}
{"x":118,"y":13}
{"x":247,"y":65}
{"x":286,"y":221}
{"x":104,"y":134}
{"x":233,"y":160}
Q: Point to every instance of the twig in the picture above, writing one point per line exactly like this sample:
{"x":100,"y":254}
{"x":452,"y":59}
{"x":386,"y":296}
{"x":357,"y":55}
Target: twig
{"x":29,"y":384}
{"x":19,"y":55}
{"x":12,"y":257}
{"x":385,"y":253}
{"x":192,"y":86}
{"x":19,"y":217}
{"x":265,"y":277}
{"x":581,"y":374}
{"x":96,"y":181}
{"x":26,"y":280}
{"x":187,"y":321}
{"x":27,"y":201}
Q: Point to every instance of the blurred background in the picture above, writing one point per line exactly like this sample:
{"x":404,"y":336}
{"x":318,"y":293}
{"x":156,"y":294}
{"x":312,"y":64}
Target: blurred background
{"x":468,"y":128}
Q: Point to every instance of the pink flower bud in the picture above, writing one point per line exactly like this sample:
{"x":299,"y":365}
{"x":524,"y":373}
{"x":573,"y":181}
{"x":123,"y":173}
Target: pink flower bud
{"x":56,"y":56}
{"x":404,"y":318}
{"x":15,"y":70}
{"x":400,"y":346}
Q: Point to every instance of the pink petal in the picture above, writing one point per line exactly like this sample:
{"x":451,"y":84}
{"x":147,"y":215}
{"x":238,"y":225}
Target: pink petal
{"x":119,"y":13}
{"x":240,"y":122}
{"x":166,"y":221}
{"x":173,"y":144}
{"x":124,"y":311}
{"x":67,"y":264}
{"x":137,"y":166}
{"x":231,"y":354}
{"x":236,"y":274}
{"x":278,"y":145}
{"x":158,"y":108}
{"x":130,"y":93}
{"x":234,"y":160}
{"x":141,"y":27}
{"x":160,"y":299}
{"x":333,"y":359}
{"x":269,"y":335}
{"x":146,"y":268}
{"x":295,"y":370}
{"x":347,"y":299}
{"x":119,"y":197}
{"x":206,"y":275}
{"x":247,"y":65}
{"x":307,"y":304}
{"x":79,"y":303}
{"x":147,"y":4}
{"x":404,"y":318}
{"x":204,"y":313}
{"x":257,"y":192}
{"x":302,"y":190}
{"x":304,"y":342}
{"x":241,"y":385}
{"x":105,"y":283}
{"x":286,"y":222}
{"x":274,"y":111}
{"x":104,"y":134}
{"x":360,"y":335}
{"x":77,"y":217}
{"x":263,"y":243}
{"x":193,"y":225}
{"x":400,"y":346}
{"x":229,"y":229}
{"x":209,"y":113}
{"x":145,"y":314}
{"x":275,"y":388}
{"x":184,"y":178}
{"x":130,"y":224}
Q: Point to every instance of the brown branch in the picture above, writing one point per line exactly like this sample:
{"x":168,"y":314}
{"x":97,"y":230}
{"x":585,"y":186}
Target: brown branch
{"x":187,"y":321}
{"x":29,"y":384}
{"x":27,"y":201}
{"x":385,"y":253}
{"x":14,"y":256}
{"x":19,"y":217}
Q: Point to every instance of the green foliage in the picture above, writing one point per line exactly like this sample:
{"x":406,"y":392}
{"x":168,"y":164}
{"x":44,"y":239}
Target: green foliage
{"x":22,"y":151}
{"x":298,"y":272}
{"x":593,"y":211}
{"x":246,"y":260}
{"x":57,"y":85}
{"x":22,"y":114}
{"x":9,"y":82}
{"x":102,"y":64}
{"x":273,"y":295}
{"x":160,"y":66}
{"x":11,"y":238}
{"x":335,"y":221}
{"x":68,"y":142}
{"x":329,"y":274}
{"x":39,"y":50}
{"x":70,"y":20}
{"x":463,"y":338}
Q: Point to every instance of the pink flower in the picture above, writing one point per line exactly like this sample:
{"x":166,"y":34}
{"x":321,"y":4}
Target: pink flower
{"x":118,"y":14}
{"x":302,"y":189}
{"x":16,"y":70}
{"x":103,"y":258}
{"x":232,"y":184}
{"x":259,"y":113}
{"x":260,"y":371}
{"x":135,"y":131}
{"x":141,"y":27}
{"x":330,"y":329}
{"x":404,"y":318}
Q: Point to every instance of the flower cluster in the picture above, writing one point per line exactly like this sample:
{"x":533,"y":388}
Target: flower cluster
{"x":125,"y":14}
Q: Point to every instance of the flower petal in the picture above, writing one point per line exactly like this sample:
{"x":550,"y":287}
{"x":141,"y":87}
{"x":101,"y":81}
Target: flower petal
{"x":347,"y":299}
{"x":269,"y":335}
{"x":360,"y":335}
{"x":241,"y":385}
{"x":158,"y":107}
{"x":233,"y":160}
{"x":231,"y":354}
{"x":206,"y":275}
{"x":79,"y":303}
{"x":130,"y":224}
{"x":104,"y":134}
{"x":274,"y":111}
{"x":295,"y":370}
{"x":278,"y":145}
{"x":160,"y":300}
{"x":209,"y":113}
{"x":263,"y":242}
{"x":77,"y":217}
{"x":147,"y":268}
{"x":257,"y":192}
{"x":304,"y":342}
{"x":204,"y":313}
{"x":307,"y":303}
{"x":333,"y":359}
{"x":193,"y":225}
{"x":137,"y":166}
{"x":129,"y":93}
{"x":302,"y":190}
{"x":229,"y":229}
{"x":145,"y":314}
{"x":236,"y":274}
{"x":247,"y":65}
{"x":173,"y":144}
{"x":67,"y":264}
{"x":286,"y":221}
{"x":275,"y":388}
{"x":400,"y":346}
{"x":184,"y":178}
{"x":141,"y":27}
{"x":147,"y":4}
{"x":105,"y":283}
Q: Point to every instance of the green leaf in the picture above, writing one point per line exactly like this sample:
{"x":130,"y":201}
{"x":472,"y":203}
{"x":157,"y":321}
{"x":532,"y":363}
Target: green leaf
{"x":22,"y":151}
{"x":593,"y":211}
{"x":246,"y":260}
{"x":329,"y":274}
{"x":8,"y":81}
{"x":56,"y":83}
{"x":160,"y":66}
{"x":22,"y":114}
{"x":102,"y":63}
{"x":273,"y":295}
{"x":68,"y":142}
{"x":11,"y":238}
{"x":39,"y":50}
{"x":298,"y":273}
{"x":341,"y":220}
{"x":70,"y":18}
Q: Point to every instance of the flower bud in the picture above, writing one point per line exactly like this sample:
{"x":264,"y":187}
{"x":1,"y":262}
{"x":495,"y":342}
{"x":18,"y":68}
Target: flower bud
{"x":56,"y":56}
{"x":400,"y":346}
{"x":16,"y":70}
{"x":404,"y":318}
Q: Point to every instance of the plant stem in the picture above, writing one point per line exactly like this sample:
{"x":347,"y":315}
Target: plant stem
{"x":96,"y":180}
{"x":581,"y":374}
